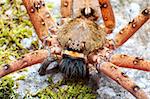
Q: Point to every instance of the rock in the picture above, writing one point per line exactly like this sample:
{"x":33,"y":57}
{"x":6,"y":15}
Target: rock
{"x":109,"y":92}
{"x":56,"y":78}
{"x":26,"y":42}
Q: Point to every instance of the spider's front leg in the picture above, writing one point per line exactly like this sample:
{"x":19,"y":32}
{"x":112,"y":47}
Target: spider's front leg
{"x":114,"y":73}
{"x":40,"y":18}
{"x":44,"y":25}
{"x":25,"y":61}
{"x":108,"y":15}
{"x":131,"y":28}
{"x":130,"y":62}
{"x":32,"y":58}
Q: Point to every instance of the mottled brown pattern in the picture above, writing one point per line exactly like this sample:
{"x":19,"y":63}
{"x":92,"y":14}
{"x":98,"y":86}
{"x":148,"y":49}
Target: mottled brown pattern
{"x":82,"y":31}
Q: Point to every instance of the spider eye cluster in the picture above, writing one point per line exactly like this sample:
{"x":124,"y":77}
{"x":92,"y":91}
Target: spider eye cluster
{"x":75,"y":45}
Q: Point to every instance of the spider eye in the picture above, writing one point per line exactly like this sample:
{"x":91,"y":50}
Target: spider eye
{"x":87,"y":12}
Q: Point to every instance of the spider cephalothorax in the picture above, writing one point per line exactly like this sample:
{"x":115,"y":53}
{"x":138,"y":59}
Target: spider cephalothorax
{"x":82,"y":41}
{"x":79,"y":37}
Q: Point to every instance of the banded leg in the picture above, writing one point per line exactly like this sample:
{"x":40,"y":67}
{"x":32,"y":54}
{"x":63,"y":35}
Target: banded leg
{"x":132,"y":27}
{"x":114,"y":73}
{"x":40,"y":18}
{"x":25,"y":61}
{"x":130,"y":62}
{"x":66,"y":9}
{"x":108,"y":15}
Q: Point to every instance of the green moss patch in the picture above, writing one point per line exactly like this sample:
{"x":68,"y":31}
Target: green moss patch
{"x":7,"y":88}
{"x":66,"y":90}
{"x":14,"y":26}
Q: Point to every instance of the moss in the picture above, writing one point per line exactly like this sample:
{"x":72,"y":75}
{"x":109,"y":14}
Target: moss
{"x":66,"y":90}
{"x":50,"y":5}
{"x":14,"y":26}
{"x":6,"y":88}
{"x":21,"y":77}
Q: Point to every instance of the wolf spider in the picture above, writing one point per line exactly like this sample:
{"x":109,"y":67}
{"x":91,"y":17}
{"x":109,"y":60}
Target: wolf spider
{"x":81,"y":41}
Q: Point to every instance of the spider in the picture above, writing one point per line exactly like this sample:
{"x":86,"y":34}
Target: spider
{"x":81,"y":41}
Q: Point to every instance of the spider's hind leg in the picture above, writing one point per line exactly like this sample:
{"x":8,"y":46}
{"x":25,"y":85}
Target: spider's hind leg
{"x":40,"y":17}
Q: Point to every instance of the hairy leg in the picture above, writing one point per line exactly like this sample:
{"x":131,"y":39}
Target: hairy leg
{"x":130,"y":62}
{"x":132,"y":27}
{"x":114,"y":73}
{"x":33,"y":58}
{"x":40,"y":18}
{"x":108,"y":15}
{"x":29,"y":60}
{"x":66,"y":10}
{"x":25,"y":61}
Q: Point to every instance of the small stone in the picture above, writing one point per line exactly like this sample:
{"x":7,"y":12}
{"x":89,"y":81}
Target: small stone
{"x":26,"y":42}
